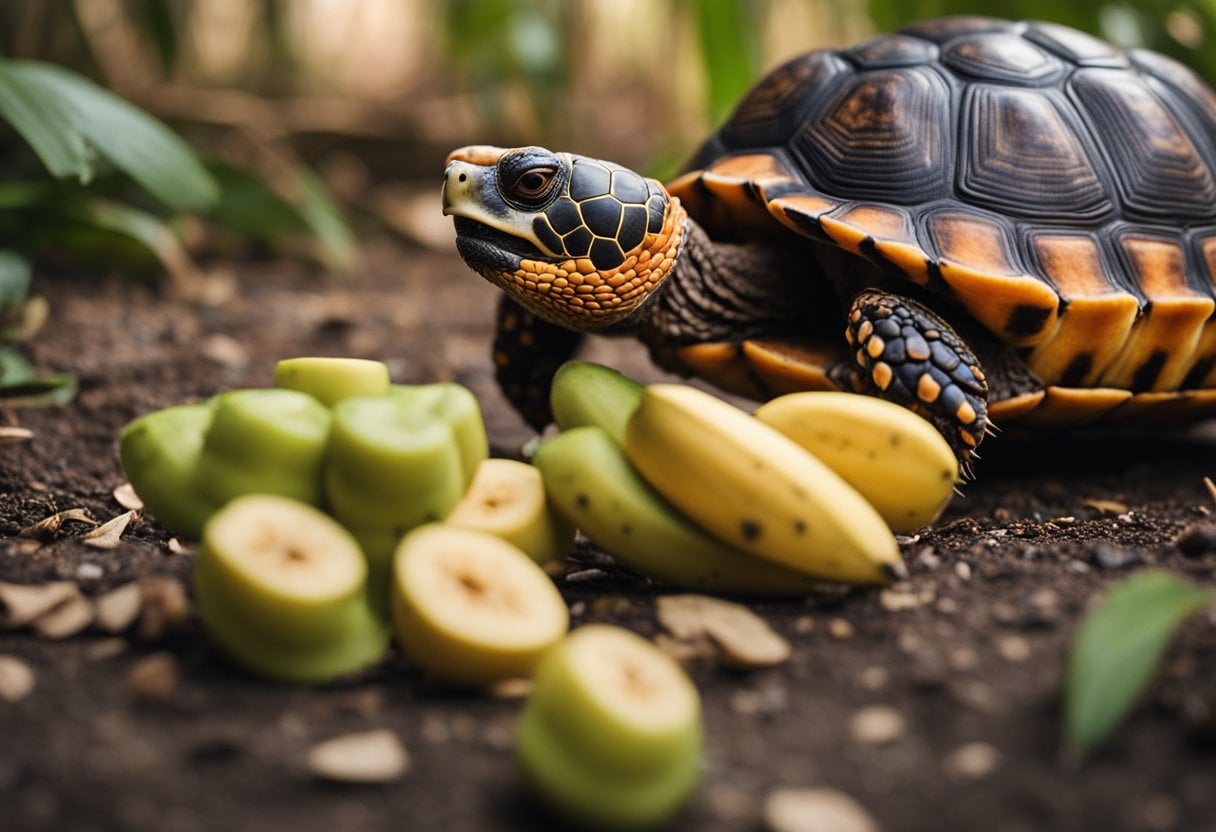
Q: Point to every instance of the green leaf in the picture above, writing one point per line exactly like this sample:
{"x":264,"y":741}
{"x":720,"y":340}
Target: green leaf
{"x":14,"y":279}
{"x":335,"y":241}
{"x":1116,"y":651}
{"x":67,"y":119}
{"x":250,"y":207}
{"x":104,"y":229}
{"x":20,"y":385}
{"x":730,"y":51}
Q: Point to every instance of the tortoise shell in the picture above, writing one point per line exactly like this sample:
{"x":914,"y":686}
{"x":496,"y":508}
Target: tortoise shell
{"x":1062,"y":192}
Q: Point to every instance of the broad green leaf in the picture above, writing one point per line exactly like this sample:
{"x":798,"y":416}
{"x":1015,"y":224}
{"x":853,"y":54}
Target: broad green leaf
{"x":100,"y":229}
{"x":248,"y":206}
{"x":20,"y":385}
{"x":1116,"y":651}
{"x":730,"y":52}
{"x":334,"y":237}
{"x":67,"y":118}
{"x":14,"y":279}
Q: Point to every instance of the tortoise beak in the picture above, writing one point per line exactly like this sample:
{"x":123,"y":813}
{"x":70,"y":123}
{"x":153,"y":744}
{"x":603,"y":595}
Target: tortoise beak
{"x":461,"y":187}
{"x":477,"y":154}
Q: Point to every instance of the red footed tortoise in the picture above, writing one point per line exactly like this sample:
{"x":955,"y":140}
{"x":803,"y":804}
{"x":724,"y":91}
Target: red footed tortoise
{"x":984,"y":221}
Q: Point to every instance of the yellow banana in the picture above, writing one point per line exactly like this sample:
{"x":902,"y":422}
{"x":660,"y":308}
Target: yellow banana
{"x":894,"y":458}
{"x":591,"y":483}
{"x":755,"y":489}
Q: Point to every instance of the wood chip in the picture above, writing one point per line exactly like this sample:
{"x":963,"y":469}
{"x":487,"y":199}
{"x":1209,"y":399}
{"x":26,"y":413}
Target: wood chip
{"x":20,"y":604}
{"x":511,"y":688}
{"x":49,"y":526}
{"x":154,"y":678}
{"x":895,"y":600}
{"x":840,"y":628}
{"x":224,"y":350}
{"x":744,"y":639}
{"x":105,"y":648}
{"x":16,"y":678}
{"x":175,"y":546}
{"x":67,"y":619}
{"x":369,"y":757}
{"x":973,"y":761}
{"x":126,"y":497}
{"x":109,"y":534}
{"x":1013,"y":648}
{"x":1106,"y":506}
{"x":877,"y":725}
{"x":164,"y":607}
{"x":14,"y":436}
{"x":1211,"y":486}
{"x":816,"y":810}
{"x":118,"y":608}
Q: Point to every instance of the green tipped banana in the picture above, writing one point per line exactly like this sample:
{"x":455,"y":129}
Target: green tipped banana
{"x":456,"y":405}
{"x":329,"y":380}
{"x":755,"y":489}
{"x":585,"y":393}
{"x":507,"y":498}
{"x":159,"y":453}
{"x":266,"y":442}
{"x":391,"y":465}
{"x":591,"y":482}
{"x":611,"y":735}
{"x":894,"y":458}
{"x":281,"y":590}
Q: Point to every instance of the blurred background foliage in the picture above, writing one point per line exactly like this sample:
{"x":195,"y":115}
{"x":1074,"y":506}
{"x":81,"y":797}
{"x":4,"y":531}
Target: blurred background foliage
{"x":306,"y":113}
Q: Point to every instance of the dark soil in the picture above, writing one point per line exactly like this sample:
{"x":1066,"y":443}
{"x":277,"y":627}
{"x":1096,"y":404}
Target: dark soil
{"x":1013,"y":565}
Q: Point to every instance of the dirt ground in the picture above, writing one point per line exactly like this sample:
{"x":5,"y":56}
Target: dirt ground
{"x":972,"y":653}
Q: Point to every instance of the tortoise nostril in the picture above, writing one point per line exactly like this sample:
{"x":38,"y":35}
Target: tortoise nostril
{"x":463,"y":177}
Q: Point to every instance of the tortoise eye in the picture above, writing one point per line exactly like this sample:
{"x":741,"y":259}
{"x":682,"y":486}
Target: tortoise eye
{"x":534,"y":183}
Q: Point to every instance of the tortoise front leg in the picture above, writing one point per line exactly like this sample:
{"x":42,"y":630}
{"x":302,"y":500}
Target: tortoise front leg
{"x":527,"y":352}
{"x":908,"y":355}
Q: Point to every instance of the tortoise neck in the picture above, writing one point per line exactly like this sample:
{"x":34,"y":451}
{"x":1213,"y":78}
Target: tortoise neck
{"x":725,"y":291}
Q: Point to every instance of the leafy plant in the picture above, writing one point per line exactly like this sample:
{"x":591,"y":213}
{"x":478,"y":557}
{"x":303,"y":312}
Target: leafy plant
{"x":118,"y":178}
{"x":1116,"y":652}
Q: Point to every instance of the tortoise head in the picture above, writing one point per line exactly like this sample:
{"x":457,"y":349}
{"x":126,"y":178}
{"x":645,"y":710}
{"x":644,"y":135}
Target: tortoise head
{"x":578,"y":241}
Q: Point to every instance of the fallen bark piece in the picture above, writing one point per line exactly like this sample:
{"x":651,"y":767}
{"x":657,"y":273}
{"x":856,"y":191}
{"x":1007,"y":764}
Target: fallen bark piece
{"x":67,"y":619}
{"x":368,"y":757}
{"x":126,"y":497}
{"x":164,"y":607}
{"x":816,"y":810}
{"x":20,"y":604}
{"x":743,"y":639}
{"x":13,"y":436}
{"x":49,"y":526}
{"x":877,"y":725}
{"x":16,"y":678}
{"x":118,"y":608}
{"x":109,"y":534}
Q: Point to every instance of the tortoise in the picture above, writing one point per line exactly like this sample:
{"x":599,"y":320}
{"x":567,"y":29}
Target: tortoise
{"x":1008,"y":222}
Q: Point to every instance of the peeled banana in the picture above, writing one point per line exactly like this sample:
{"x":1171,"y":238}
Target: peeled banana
{"x":894,"y":458}
{"x":589,"y":480}
{"x":755,"y":489}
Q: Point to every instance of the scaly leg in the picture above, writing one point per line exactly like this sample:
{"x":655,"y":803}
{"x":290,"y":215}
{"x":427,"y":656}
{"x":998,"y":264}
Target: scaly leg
{"x":908,"y":355}
{"x":527,"y":352}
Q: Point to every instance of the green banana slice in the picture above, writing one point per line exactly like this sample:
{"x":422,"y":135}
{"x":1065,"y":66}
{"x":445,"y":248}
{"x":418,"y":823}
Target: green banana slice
{"x":159,"y":453}
{"x":281,"y":589}
{"x":329,"y":379}
{"x":611,"y":734}
{"x":264,"y":441}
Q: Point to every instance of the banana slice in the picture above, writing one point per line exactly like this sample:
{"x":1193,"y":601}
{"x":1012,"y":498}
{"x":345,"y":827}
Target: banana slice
{"x":281,"y":588}
{"x":329,"y":379}
{"x":470,"y":607}
{"x":507,"y":498}
{"x":264,"y":441}
{"x":894,"y":458}
{"x":611,"y":736}
{"x":586,"y":393}
{"x":456,"y":405}
{"x":159,"y":453}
